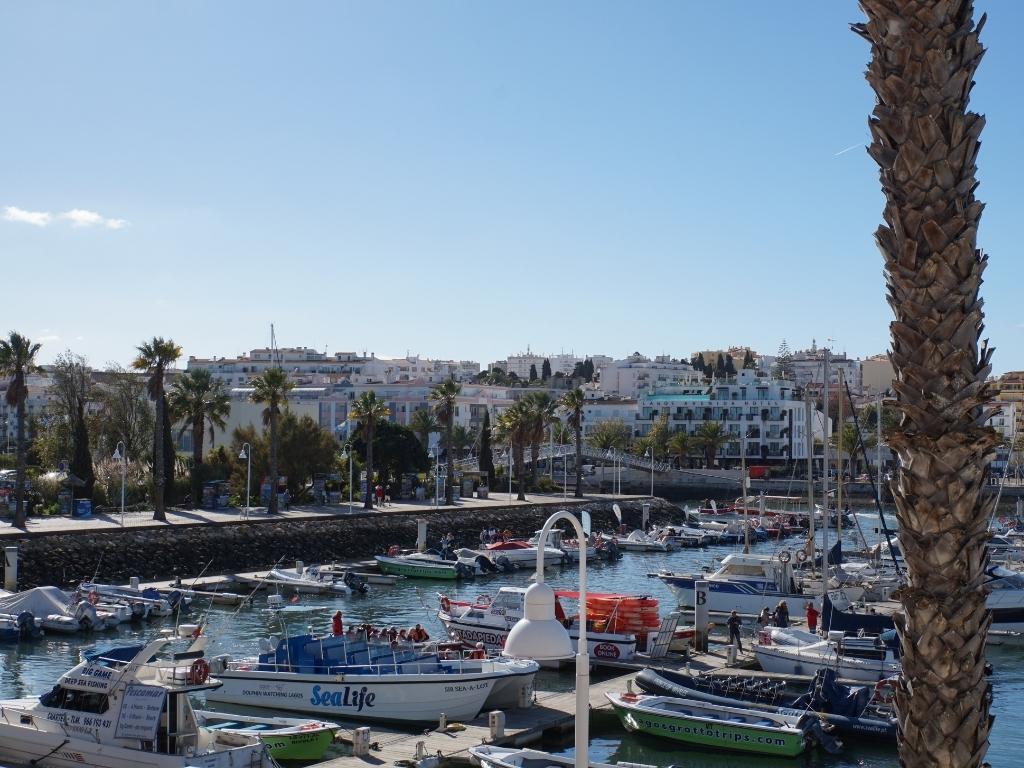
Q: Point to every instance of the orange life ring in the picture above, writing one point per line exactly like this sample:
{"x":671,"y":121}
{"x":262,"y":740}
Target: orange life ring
{"x":885,"y":691}
{"x":446,"y":605}
{"x":483,"y":600}
{"x":198,"y":672}
{"x":93,"y":597}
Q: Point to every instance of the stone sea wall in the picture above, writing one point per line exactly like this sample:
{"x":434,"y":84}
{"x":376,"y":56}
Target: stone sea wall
{"x":164,"y":552}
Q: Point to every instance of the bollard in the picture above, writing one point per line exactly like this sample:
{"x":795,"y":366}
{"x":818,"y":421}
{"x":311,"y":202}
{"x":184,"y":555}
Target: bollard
{"x":443,"y":722}
{"x":525,"y":697}
{"x":700,"y":615}
{"x":299,"y":567}
{"x":730,"y":655}
{"x":134,"y":582}
{"x":496,"y":724}
{"x":361,"y":742}
{"x":646,"y":515}
{"x":629,"y":685}
{"x":421,"y":751}
{"x":11,"y":569}
{"x":421,"y":534}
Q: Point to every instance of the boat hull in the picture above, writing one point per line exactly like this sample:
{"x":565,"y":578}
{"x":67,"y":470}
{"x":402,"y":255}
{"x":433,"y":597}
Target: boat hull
{"x":610,"y":647}
{"x":744,"y":597}
{"x":791,"y":660}
{"x":414,"y":570}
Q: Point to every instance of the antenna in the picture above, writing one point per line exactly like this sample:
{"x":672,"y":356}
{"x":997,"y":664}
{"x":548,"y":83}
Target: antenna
{"x":275,"y":356}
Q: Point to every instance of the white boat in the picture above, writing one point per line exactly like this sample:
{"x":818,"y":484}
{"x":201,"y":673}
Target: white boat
{"x":124,"y":708}
{"x":793,"y":652}
{"x":748,"y":583}
{"x":638,"y":541}
{"x":360,"y":680}
{"x":307,"y":580}
{"x":491,"y":756}
{"x":488,"y":621}
{"x":56,"y":610}
{"x":141,"y":602}
{"x":523,"y":553}
{"x":569,"y":547}
{"x":287,"y":738}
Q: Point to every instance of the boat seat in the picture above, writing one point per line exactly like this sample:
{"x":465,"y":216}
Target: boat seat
{"x":220,"y":726}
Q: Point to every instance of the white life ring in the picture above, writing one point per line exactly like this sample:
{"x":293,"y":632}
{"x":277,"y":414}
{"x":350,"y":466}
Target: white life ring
{"x":784,"y":556}
{"x":801,"y":556}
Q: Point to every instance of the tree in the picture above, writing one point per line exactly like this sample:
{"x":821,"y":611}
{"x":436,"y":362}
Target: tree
{"x":783,"y":362}
{"x":541,"y":407}
{"x":748,"y":360}
{"x":199,"y":401}
{"x":396,"y":450}
{"x":71,"y":391}
{"x":125,"y":414}
{"x":18,"y":361}
{"x":698,"y":363}
{"x":679,"y":445}
{"x":485,"y":458}
{"x":444,"y":396}
{"x":533,"y":372}
{"x":368,"y":411}
{"x":514,"y":427}
{"x":925,"y":141}
{"x":709,"y":437}
{"x":423,"y":423}
{"x":153,"y":357}
{"x":306,"y":449}
{"x":545,"y":370}
{"x":720,"y":365}
{"x":463,"y":438}
{"x":271,"y":388}
{"x":730,"y":367}
{"x":610,"y":434}
{"x":659,"y":436}
{"x":588,"y":369}
{"x":572,"y":403}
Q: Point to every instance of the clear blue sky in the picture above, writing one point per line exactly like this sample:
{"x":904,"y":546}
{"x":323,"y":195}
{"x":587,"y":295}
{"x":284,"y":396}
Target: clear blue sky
{"x":462,"y":179}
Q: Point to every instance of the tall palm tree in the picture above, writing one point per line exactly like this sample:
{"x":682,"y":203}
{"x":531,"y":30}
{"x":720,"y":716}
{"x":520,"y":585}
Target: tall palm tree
{"x":199,"y":401}
{"x":463,"y":438}
{"x":711,"y":436}
{"x":443,"y":396}
{"x":368,"y":411}
{"x":679,"y":445}
{"x":572,"y":403}
{"x":542,"y":413}
{"x":153,"y":357}
{"x":514,"y":427}
{"x":271,"y":388}
{"x":925,"y":141}
{"x":18,"y":360}
{"x":422,"y":424}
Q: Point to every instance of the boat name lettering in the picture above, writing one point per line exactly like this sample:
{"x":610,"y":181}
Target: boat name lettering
{"x":82,"y":683}
{"x":274,"y":693}
{"x":97,"y":672}
{"x":464,"y":688}
{"x":344,"y":697}
{"x":713,"y":733}
{"x":606,"y":651}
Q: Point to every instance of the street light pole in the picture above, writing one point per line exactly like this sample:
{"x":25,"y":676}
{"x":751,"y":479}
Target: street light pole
{"x":247,"y":455}
{"x":509,"y":471}
{"x":437,"y":470}
{"x":650,"y":452}
{"x":346,"y":454}
{"x":121,"y":454}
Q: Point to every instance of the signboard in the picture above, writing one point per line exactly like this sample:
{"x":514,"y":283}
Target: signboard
{"x":140,"y":712}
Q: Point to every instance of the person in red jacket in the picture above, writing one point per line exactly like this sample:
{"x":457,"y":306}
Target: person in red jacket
{"x":812,"y":617}
{"x":336,"y":628}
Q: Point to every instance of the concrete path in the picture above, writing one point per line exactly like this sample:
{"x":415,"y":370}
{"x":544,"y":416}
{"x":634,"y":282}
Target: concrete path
{"x":107,"y":521}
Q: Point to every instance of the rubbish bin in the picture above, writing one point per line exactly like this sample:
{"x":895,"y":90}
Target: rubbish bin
{"x":82,"y":509}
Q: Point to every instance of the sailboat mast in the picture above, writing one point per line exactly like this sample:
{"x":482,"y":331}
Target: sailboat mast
{"x":839,"y":462}
{"x":809,"y":422}
{"x":824,"y":475}
{"x":878,"y":442}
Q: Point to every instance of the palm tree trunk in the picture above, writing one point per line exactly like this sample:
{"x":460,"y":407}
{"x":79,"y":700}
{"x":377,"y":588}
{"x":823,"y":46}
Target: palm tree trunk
{"x":578,"y":493}
{"x":521,"y":461}
{"x":197,"y":462}
{"x":534,"y":461}
{"x":368,"y":496}
{"x":19,"y":477}
{"x":272,"y":507}
{"x":449,"y":490}
{"x":159,"y":512}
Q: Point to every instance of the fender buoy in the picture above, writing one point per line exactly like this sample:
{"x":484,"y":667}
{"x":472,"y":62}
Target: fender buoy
{"x":93,"y":597}
{"x":198,"y":672}
{"x":483,"y":599}
{"x":801,"y":556}
{"x":446,"y":605}
{"x":885,"y":691}
{"x":310,"y":726}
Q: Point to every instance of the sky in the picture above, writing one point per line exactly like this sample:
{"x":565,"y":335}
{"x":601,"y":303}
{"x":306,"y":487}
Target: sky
{"x":462,"y":180}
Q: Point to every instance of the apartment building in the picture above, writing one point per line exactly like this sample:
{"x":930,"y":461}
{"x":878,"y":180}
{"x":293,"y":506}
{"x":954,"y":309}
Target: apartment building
{"x":637,"y":375}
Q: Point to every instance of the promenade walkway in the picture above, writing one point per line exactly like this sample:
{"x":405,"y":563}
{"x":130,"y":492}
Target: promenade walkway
{"x":108,"y":520}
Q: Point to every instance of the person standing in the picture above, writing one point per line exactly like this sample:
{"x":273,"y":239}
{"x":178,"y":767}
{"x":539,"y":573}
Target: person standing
{"x":812,"y":618}
{"x":734,"y":623}
{"x":336,"y":627}
{"x":782,"y":614}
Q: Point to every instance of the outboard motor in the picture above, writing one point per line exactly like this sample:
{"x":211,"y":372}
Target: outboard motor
{"x":85,"y":615}
{"x":464,"y":571}
{"x":139,"y":611}
{"x":505,"y":565}
{"x":178,"y":602}
{"x":27,"y":627}
{"x":485,"y":564}
{"x":354,"y":582}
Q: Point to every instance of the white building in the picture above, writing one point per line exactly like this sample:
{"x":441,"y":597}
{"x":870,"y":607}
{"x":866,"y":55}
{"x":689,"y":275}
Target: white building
{"x":877,"y":374}
{"x":561,"y":363}
{"x":809,"y":369}
{"x":602,"y":407}
{"x":637,"y":375}
{"x":302,"y":364}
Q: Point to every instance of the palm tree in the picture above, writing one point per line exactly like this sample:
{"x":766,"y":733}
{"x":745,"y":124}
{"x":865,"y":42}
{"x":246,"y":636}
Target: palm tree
{"x":18,"y":360}
{"x":679,"y":445}
{"x":271,"y":388}
{"x":153,"y":357}
{"x":422,"y":424}
{"x":462,"y":439}
{"x":514,"y":427}
{"x":443,"y":396}
{"x":572,"y":403}
{"x":200,"y":402}
{"x":709,"y":437}
{"x":368,"y":411}
{"x":542,"y":409}
{"x":925,"y":141}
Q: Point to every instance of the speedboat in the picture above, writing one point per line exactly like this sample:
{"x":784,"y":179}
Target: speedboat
{"x":569,"y":547}
{"x":57,"y":611}
{"x":491,"y":756}
{"x":614,"y":620}
{"x":794,"y":652}
{"x":523,"y":553}
{"x":639,"y":541}
{"x":141,"y":603}
{"x":124,"y":707}
{"x":371,"y":680}
{"x":308,"y":580}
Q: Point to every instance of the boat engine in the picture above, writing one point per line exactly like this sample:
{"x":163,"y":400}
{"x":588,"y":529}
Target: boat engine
{"x":354,"y":582}
{"x":85,"y":615}
{"x":485,"y":564}
{"x":465,"y":571}
{"x":27,"y":627}
{"x":219,"y":663}
{"x":505,"y":565}
{"x":178,"y":602}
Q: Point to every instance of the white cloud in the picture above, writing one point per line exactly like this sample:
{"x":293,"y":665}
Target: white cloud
{"x":48,"y":338}
{"x":35,"y":218}
{"x":77,"y":217}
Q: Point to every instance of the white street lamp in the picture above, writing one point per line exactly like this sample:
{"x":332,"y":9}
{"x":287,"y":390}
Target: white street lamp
{"x":246,"y":454}
{"x":437,"y":472}
{"x":346,"y":455}
{"x":121,"y":455}
{"x":510,"y":472}
{"x":540,"y":636}
{"x":650,"y":453}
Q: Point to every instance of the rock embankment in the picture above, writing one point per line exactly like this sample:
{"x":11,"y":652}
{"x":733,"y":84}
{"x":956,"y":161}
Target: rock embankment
{"x":153,"y":553}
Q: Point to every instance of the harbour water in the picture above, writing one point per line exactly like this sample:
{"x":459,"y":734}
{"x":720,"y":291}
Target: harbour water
{"x":31,"y":668}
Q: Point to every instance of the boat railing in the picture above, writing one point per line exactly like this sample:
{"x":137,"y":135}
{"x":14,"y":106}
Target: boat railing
{"x":460,"y":662}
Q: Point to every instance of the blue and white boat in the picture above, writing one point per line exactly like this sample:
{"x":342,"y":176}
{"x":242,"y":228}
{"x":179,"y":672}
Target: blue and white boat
{"x":351,"y":678}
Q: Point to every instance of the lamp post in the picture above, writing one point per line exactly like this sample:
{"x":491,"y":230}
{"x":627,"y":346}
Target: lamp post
{"x":246,"y":453}
{"x":346,"y":455}
{"x":540,"y":636}
{"x":437,"y":471}
{"x":650,"y":452}
{"x":509,"y":471}
{"x":121,"y":455}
